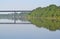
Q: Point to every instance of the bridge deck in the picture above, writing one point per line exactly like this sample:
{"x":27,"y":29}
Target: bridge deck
{"x":15,"y":10}
{"x":15,"y":23}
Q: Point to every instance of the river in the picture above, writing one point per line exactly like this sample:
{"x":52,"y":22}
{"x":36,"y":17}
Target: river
{"x":26,"y":31}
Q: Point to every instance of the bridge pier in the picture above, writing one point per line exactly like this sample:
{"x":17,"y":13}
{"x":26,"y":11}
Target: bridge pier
{"x":14,"y":17}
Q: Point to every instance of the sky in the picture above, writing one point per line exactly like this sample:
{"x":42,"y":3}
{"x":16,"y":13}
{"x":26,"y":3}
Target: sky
{"x":26,"y":4}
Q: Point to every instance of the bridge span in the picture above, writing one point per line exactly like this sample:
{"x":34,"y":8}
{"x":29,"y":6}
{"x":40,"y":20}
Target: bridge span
{"x":15,"y":11}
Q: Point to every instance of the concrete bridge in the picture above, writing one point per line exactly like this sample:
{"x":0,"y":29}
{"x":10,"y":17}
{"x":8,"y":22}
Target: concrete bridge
{"x":15,"y":11}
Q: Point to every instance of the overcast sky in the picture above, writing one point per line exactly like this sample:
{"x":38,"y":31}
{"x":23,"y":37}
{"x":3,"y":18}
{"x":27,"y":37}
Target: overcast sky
{"x":25,"y":4}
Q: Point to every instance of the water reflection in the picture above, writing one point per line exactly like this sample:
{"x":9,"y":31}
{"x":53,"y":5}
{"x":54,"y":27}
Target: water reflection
{"x":26,"y":31}
{"x":9,"y":18}
{"x":30,"y":31}
{"x":51,"y":24}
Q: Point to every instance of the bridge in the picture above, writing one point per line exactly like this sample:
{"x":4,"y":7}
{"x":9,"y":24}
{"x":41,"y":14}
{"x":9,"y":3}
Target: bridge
{"x":15,"y":11}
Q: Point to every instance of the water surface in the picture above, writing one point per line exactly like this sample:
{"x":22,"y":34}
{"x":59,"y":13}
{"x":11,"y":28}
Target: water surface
{"x":39,"y":29}
{"x":26,"y":31}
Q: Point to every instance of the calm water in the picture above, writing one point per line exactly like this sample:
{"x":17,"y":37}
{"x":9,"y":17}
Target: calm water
{"x":12,"y":21}
{"x":25,"y":31}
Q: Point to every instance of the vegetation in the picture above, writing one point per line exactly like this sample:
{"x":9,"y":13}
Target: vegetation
{"x":47,"y":17}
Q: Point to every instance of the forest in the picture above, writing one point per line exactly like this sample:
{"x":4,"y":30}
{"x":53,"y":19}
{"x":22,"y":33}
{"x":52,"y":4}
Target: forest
{"x":47,"y":17}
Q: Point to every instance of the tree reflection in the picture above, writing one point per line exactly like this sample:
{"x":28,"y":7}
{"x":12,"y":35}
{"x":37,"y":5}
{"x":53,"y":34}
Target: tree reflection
{"x":51,"y":24}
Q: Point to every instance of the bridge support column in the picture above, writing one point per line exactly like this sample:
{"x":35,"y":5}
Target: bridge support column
{"x":14,"y":17}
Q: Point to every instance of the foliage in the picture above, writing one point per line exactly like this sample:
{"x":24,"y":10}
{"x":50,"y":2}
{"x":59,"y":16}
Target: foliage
{"x":47,"y":17}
